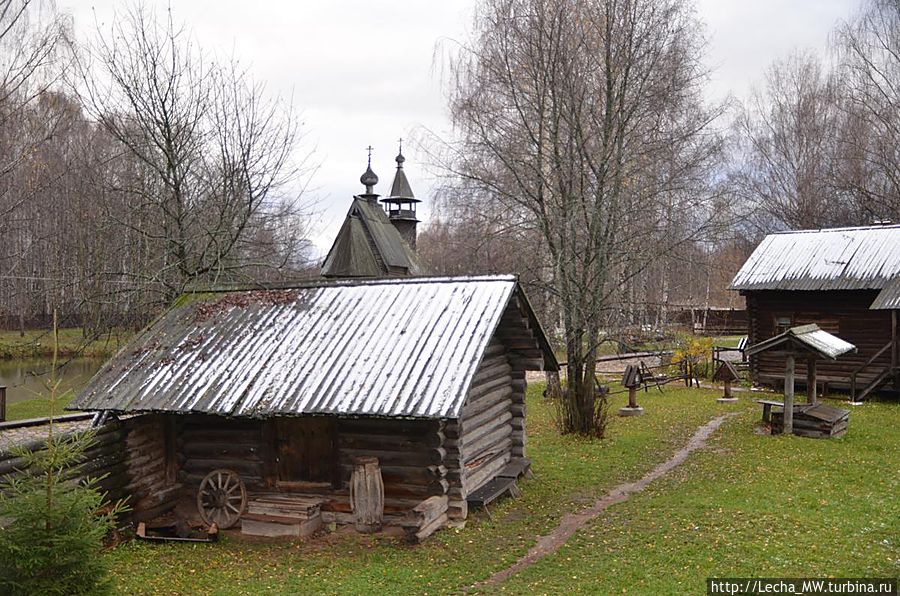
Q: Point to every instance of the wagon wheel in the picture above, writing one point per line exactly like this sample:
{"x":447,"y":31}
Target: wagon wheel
{"x":222,"y":498}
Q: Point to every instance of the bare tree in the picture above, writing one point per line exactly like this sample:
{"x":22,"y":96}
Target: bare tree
{"x":584,"y":118}
{"x":33,"y":54}
{"x":214,"y":159}
{"x":789,"y":138}
{"x":869,"y":53}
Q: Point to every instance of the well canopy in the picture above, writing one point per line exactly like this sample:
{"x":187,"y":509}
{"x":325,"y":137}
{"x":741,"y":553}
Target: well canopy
{"x":405,"y":347}
{"x":806,"y":338}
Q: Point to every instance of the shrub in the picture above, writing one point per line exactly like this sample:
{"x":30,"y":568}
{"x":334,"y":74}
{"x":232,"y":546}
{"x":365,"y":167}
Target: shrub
{"x":692,"y":357}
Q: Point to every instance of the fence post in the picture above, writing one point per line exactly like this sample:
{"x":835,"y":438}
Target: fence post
{"x":2,"y":403}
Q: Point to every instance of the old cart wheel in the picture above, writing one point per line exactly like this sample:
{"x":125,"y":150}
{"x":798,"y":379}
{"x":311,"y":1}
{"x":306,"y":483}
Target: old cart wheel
{"x":222,"y":498}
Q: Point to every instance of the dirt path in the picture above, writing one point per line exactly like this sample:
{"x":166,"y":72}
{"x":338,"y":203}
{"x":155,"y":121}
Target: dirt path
{"x":572,"y":522}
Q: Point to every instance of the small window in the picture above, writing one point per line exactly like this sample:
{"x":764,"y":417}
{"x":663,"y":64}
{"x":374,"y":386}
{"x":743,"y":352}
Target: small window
{"x":782,"y":323}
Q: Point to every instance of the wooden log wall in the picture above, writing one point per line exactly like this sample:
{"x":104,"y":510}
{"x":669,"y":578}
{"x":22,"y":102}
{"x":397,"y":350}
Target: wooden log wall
{"x":410,"y":453}
{"x":105,"y":457}
{"x":482,"y":440}
{"x":844,"y":313}
{"x":519,"y":437}
{"x":152,"y":484}
{"x":206,"y":442}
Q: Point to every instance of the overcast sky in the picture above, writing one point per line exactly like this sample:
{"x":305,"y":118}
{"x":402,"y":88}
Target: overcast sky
{"x":363,"y":72}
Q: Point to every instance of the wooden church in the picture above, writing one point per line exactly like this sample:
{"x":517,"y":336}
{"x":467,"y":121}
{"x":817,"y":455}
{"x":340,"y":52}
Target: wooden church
{"x":376,"y":241}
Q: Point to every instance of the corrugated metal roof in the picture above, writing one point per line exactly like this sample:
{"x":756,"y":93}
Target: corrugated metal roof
{"x":401,"y":347}
{"x":889,"y":297}
{"x":836,"y":259}
{"x":809,"y":337}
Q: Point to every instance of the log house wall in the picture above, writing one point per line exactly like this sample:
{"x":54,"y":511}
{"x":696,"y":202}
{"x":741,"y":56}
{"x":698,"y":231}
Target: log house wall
{"x":490,"y":432}
{"x":130,"y":454}
{"x":480,"y":443}
{"x":105,"y":456}
{"x":410,"y":453}
{"x":206,"y":442}
{"x":845,"y":313}
{"x":151,"y":479}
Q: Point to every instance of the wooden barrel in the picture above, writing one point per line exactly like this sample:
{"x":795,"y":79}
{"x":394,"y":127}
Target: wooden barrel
{"x":367,"y":494}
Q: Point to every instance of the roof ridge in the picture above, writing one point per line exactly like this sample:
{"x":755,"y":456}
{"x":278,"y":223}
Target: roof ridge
{"x":844,"y":229}
{"x":372,"y":281}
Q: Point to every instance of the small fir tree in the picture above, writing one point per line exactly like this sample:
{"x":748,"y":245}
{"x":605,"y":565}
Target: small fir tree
{"x":52,"y":525}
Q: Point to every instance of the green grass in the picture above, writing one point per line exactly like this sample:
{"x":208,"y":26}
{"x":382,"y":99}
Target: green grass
{"x":727,"y":341}
{"x":752,"y":504}
{"x":38,"y":407}
{"x":38,"y":343}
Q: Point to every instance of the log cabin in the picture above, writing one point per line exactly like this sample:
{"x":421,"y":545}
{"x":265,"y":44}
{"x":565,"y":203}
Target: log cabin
{"x":846,"y":281}
{"x":291,"y":387}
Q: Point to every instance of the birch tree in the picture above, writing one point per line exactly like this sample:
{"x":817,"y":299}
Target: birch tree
{"x":585,"y":118}
{"x":868,"y":49}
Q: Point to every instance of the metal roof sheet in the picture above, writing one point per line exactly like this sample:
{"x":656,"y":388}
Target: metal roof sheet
{"x":807,"y":337}
{"x":889,"y":297}
{"x":835,"y":259}
{"x":405,"y":347}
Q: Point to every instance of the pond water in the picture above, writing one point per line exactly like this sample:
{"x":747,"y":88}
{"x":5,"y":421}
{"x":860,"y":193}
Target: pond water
{"x":27,"y":379}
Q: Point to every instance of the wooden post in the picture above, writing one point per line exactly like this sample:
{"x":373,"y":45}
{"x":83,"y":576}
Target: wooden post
{"x":631,"y":379}
{"x":811,"y":381}
{"x":727,"y":390}
{"x":789,"y":396}
{"x":2,"y":403}
{"x":895,"y":352}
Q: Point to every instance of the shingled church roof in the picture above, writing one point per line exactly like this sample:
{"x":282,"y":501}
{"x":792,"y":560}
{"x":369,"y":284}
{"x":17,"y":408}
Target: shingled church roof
{"x":368,"y":245}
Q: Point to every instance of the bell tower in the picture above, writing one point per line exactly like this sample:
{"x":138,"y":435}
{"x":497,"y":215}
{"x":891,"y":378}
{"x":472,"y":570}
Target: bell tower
{"x":401,"y":203}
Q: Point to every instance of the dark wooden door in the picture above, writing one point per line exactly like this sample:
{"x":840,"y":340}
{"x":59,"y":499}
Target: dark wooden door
{"x":305,"y":450}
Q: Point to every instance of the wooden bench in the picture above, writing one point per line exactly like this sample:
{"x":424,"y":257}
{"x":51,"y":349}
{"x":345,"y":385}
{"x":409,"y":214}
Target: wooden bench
{"x":492,"y":491}
{"x":741,"y":349}
{"x":767,"y":408}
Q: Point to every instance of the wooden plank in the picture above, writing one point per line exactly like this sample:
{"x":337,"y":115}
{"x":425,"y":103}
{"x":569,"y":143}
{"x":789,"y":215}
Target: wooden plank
{"x":398,"y":442}
{"x":486,"y":472}
{"x":431,"y":528}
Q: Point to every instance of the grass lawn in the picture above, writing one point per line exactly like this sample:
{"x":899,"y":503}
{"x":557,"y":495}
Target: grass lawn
{"x":38,"y":407}
{"x":751,"y":504}
{"x":38,"y":343}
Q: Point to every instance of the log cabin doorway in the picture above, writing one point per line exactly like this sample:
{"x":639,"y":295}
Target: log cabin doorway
{"x":305,"y":453}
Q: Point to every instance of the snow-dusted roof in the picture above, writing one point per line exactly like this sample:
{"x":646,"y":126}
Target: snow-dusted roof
{"x":835,"y":259}
{"x":889,"y":297}
{"x":809,"y":338}
{"x":406,"y":347}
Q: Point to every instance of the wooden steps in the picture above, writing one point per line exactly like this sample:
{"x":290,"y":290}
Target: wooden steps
{"x":503,"y":483}
{"x":880,"y":378}
{"x":492,"y":491}
{"x":282,"y":515}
